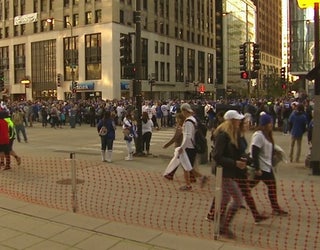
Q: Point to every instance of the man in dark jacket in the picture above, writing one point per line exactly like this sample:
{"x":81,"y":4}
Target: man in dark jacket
{"x":298,"y":123}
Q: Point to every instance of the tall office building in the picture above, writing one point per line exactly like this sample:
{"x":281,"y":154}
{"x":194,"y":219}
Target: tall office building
{"x":236,"y":25}
{"x":269,"y":37}
{"x":52,"y":43}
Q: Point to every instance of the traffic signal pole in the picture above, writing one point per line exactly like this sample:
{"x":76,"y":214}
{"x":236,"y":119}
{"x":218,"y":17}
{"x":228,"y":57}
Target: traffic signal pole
{"x":137,"y":78}
{"x":315,"y":157}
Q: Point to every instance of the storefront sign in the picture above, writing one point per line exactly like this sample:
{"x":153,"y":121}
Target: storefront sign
{"x":125,"y":86}
{"x":84,"y":86}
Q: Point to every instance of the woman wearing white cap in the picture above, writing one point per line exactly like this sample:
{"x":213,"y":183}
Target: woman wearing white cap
{"x":227,"y":154}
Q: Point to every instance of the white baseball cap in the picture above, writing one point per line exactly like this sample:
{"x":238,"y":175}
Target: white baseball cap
{"x":233,"y":114}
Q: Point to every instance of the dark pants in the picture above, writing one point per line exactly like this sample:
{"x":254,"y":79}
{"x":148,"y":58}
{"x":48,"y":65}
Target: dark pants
{"x":146,"y":138}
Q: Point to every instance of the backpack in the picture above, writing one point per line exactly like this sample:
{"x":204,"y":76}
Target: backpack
{"x":200,"y":143}
{"x":4,"y":132}
{"x":103,"y":131}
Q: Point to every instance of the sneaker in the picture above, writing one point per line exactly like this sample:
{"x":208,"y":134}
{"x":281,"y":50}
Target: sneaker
{"x":109,"y":161}
{"x":279,"y":212}
{"x":210,"y":217}
{"x":260,"y":218}
{"x":227,"y":233}
{"x":128,"y":158}
{"x":185,"y":188}
{"x":168,"y":177}
{"x":203,"y":181}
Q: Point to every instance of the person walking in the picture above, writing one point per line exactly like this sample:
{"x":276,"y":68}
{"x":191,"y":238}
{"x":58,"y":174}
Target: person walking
{"x":106,"y":128}
{"x":228,"y":154}
{"x":187,"y":146}
{"x":298,"y":123}
{"x":241,"y":176}
{"x":262,"y":146}
{"x":176,"y":140}
{"x":4,"y":140}
{"x":12,"y":136}
{"x":147,"y":126}
{"x":18,"y":120}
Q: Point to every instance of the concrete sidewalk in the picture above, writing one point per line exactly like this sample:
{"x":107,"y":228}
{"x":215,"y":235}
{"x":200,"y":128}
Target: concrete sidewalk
{"x":29,"y":226}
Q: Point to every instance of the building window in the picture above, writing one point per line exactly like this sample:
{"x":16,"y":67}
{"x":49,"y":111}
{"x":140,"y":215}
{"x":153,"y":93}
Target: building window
{"x":75,"y":2}
{"x":43,"y":56}
{"x":145,"y":4}
{"x":98,"y":17}
{"x":168,"y":72}
{"x":93,"y":56}
{"x":43,"y":5}
{"x":19,"y":62}
{"x":210,"y":68}
{"x":162,"y":48}
{"x":191,"y":65}
{"x":121,"y":16}
{"x":6,"y":10}
{"x":35,"y":27}
{"x":71,"y":58}
{"x":6,"y":32}
{"x":144,"y":59}
{"x":75,"y":20}
{"x":66,"y":21}
{"x":162,"y":71}
{"x":201,"y":66}
{"x":35,"y":6}
{"x":66,"y":3}
{"x":15,"y":30}
{"x":15,"y":8}
{"x":4,"y":58}
{"x":168,"y":49}
{"x":156,"y":70}
{"x":88,"y":17}
{"x":179,"y":64}
{"x":22,"y":29}
{"x":156,"y":47}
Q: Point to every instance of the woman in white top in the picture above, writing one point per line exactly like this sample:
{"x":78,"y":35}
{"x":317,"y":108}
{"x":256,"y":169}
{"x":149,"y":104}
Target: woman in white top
{"x":262,"y":146}
{"x":147,"y":126}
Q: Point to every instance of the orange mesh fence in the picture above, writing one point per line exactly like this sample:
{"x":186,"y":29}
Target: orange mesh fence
{"x":147,"y":199}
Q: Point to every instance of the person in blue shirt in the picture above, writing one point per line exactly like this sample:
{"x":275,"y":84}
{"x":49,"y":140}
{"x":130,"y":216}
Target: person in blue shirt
{"x":298,"y":123}
{"x":107,"y":137}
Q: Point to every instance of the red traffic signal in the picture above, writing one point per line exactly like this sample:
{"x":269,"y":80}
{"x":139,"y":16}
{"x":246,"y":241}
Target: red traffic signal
{"x":244,"y":75}
{"x":202,"y":89}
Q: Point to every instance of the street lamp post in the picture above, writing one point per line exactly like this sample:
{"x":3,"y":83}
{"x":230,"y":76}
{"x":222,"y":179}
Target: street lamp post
{"x":72,"y":63}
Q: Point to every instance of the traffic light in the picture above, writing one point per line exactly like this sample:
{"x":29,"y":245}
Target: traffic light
{"x":244,"y":75}
{"x":284,"y":86}
{"x":256,"y":57}
{"x":125,"y":49}
{"x":202,"y":89}
{"x":59,"y":80}
{"x":129,"y":71}
{"x":243,"y":57}
{"x":283,"y":75}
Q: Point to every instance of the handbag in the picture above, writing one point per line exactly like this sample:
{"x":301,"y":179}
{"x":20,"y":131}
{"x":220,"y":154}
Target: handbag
{"x":103,"y":131}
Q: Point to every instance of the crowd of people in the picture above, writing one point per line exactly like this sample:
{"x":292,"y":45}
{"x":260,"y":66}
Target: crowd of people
{"x":228,"y":122}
